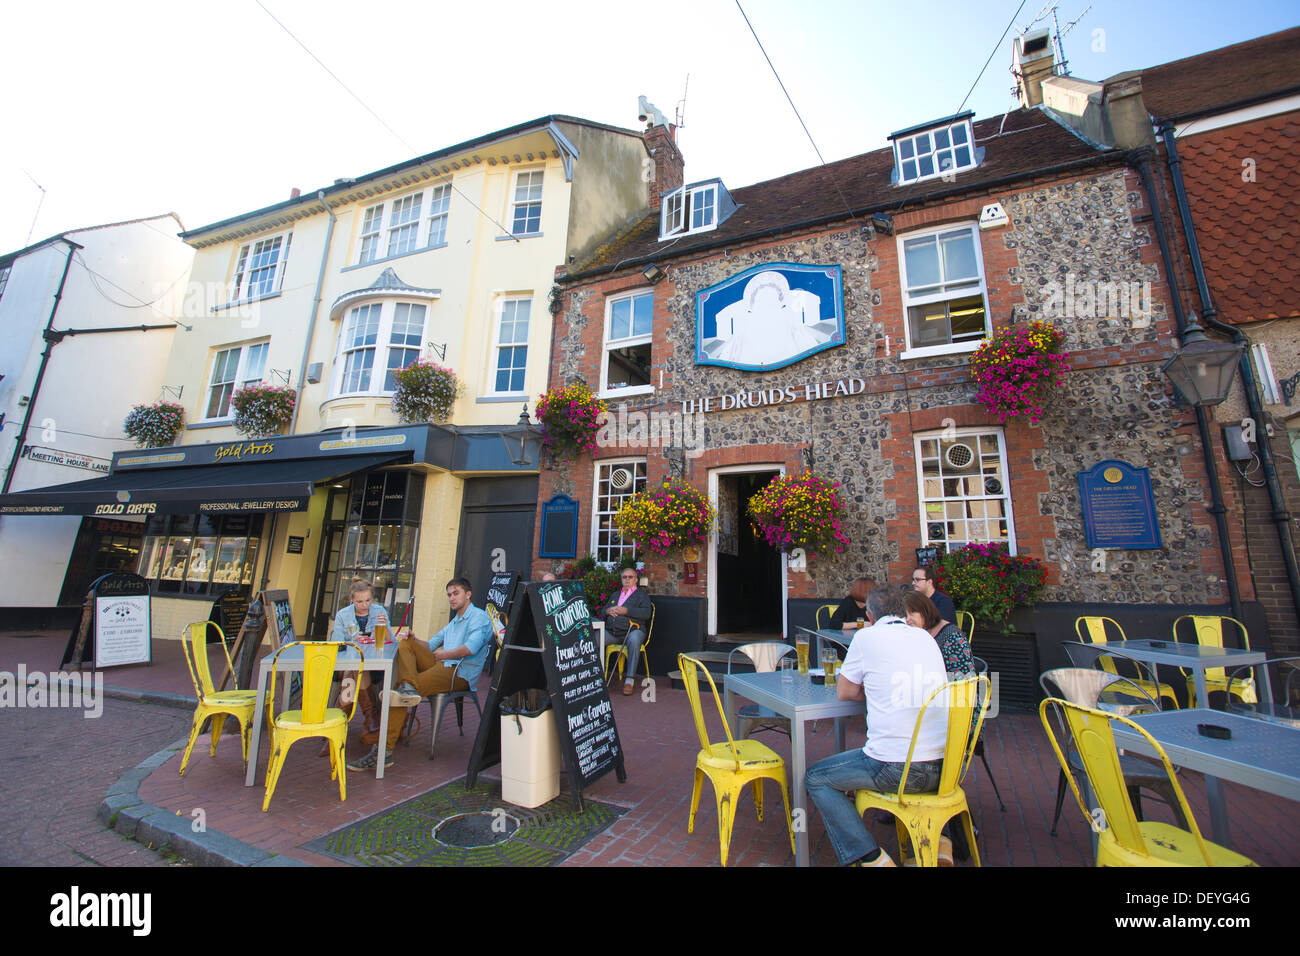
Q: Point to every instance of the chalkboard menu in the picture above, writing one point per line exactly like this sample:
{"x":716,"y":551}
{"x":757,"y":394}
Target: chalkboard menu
{"x":928,"y":556}
{"x":1119,"y":510}
{"x":501,"y":592}
{"x":229,"y":611}
{"x":551,"y":627}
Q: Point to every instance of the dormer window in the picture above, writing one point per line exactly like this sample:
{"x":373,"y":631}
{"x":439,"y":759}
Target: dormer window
{"x":698,"y":207}
{"x":934,"y":149}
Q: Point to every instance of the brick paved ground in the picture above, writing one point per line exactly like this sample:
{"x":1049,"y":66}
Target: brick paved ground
{"x":55,"y":766}
{"x":659,"y":738}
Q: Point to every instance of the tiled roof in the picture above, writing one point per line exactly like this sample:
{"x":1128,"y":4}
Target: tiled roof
{"x":1016,"y":145}
{"x":1221,"y":79}
{"x":1249,"y":232}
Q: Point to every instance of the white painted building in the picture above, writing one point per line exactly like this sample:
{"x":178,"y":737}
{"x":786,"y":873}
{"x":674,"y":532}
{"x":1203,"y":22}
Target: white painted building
{"x":75,"y":359}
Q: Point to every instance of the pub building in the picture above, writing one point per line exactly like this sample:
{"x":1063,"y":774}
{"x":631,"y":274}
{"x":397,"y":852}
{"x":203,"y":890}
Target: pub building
{"x":824,"y":321}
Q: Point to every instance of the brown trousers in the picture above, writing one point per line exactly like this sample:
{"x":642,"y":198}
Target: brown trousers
{"x":417,"y":666}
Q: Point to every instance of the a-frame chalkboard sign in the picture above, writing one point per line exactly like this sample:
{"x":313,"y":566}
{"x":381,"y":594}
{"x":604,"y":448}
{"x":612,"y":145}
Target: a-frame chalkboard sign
{"x":244,"y":650}
{"x":549,"y":644}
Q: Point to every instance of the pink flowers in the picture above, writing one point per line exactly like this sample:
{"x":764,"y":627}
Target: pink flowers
{"x":1016,"y":367}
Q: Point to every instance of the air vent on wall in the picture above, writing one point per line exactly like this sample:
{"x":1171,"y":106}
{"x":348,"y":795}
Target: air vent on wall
{"x":959,"y":455}
{"x":620,"y":479}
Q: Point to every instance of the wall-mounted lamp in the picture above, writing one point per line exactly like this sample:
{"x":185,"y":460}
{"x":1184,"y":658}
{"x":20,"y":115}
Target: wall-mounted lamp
{"x":1202,"y":369}
{"x":523,"y":440}
{"x":653,"y":273}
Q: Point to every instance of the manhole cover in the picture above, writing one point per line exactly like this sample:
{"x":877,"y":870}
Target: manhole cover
{"x":474,"y":830}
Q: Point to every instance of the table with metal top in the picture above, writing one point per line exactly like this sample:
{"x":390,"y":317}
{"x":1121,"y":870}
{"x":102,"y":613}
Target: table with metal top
{"x":1259,"y":754}
{"x":801,"y":701}
{"x":1197,"y":657}
{"x":347,"y":660}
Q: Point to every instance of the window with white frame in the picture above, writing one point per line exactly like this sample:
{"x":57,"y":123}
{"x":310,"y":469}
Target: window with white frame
{"x":233,"y":369}
{"x":628,"y":321}
{"x":934,"y":152}
{"x":616,"y":481}
{"x":259,"y":268}
{"x":439,"y":203}
{"x":964,"y":493}
{"x":377,"y":340}
{"x":526,"y":205}
{"x":943,"y":289}
{"x":689,"y":209}
{"x":411,"y":222}
{"x":511,"y":359}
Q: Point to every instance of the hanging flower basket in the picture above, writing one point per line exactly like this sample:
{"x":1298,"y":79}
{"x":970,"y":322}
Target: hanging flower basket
{"x":805,"y":511}
{"x":571,"y":417}
{"x":990,"y":583}
{"x":671,"y":516}
{"x":425,"y":392}
{"x":1017,"y":367}
{"x":263,"y":410}
{"x":154,"y":426}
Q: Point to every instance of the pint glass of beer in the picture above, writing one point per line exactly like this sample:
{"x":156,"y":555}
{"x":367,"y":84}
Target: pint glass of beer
{"x":801,"y":649}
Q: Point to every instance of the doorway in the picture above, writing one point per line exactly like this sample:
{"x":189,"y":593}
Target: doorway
{"x":747,"y":576}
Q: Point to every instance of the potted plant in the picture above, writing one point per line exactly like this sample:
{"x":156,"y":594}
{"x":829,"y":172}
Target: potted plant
{"x":425,"y":392}
{"x":154,"y":426}
{"x":599,"y":580}
{"x":804,"y":511}
{"x":570,"y":416}
{"x":1017,"y":367}
{"x":990,"y":583}
{"x":263,"y":410}
{"x":671,"y":516}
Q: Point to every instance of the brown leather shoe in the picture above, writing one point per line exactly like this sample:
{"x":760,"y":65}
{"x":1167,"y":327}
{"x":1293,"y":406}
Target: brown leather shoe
{"x":369,"y":710}
{"x":629,"y":688}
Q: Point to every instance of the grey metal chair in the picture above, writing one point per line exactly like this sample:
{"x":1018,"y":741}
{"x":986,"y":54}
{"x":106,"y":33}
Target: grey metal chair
{"x":438,"y":703}
{"x":1102,"y":690}
{"x":764,"y":656}
{"x":1284,"y":707}
{"x":1112,"y":660}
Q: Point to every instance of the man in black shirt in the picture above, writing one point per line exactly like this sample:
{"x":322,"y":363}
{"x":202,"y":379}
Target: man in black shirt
{"x":923,"y":580}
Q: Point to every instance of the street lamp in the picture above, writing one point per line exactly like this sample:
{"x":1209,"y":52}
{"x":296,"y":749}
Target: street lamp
{"x":523,"y":440}
{"x":1202,"y":369}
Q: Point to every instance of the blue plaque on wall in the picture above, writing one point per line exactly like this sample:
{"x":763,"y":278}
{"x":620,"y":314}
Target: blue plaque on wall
{"x":1119,"y":510}
{"x":769,"y":316}
{"x":559,"y":528}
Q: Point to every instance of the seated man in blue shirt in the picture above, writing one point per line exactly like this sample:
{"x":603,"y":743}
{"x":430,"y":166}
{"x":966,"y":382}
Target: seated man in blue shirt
{"x":426,"y":668}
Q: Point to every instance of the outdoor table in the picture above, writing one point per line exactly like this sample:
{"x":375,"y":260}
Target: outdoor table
{"x":347,"y":660}
{"x":1261,"y":755}
{"x":1196,"y":656}
{"x":800,"y":700}
{"x":1264,"y":710}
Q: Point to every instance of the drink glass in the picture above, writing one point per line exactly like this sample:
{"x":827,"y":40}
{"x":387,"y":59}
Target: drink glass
{"x":787,"y":670}
{"x":830,"y":661}
{"x":801,"y":649}
{"x":862,"y":622}
{"x":381,"y":636}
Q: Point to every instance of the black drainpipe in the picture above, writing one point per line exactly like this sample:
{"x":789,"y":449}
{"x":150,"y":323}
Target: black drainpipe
{"x":1141,"y":160}
{"x":50,"y":341}
{"x":1210,"y":316}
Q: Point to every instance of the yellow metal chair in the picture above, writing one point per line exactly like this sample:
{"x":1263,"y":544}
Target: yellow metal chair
{"x":1092,"y":630}
{"x":1209,"y":633}
{"x":921,"y":817}
{"x":212,"y":702}
{"x":827,"y":610}
{"x":315,"y":718}
{"x":621,"y":649}
{"x":730,"y":766}
{"x":1122,"y":840}
{"x":966,"y":624}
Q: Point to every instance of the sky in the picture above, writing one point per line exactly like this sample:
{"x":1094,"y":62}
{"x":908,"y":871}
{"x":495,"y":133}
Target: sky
{"x":134,"y":108}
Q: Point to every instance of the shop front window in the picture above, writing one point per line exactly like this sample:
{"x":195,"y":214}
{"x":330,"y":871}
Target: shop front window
{"x":203,"y":555}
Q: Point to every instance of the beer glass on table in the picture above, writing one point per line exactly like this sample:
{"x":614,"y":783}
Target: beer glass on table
{"x":830,"y":661}
{"x":801,"y":649}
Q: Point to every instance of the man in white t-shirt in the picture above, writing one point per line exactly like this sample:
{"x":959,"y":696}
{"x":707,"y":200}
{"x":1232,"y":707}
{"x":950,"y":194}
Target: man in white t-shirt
{"x":894,"y":667}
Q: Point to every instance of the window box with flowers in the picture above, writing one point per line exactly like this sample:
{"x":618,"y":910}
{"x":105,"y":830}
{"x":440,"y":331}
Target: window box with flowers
{"x":673,"y":515}
{"x":263,"y":410}
{"x":154,"y":426}
{"x":1017,"y":367}
{"x":571,"y":418}
{"x":425,"y":392}
{"x":989,"y":582}
{"x":804,"y":511}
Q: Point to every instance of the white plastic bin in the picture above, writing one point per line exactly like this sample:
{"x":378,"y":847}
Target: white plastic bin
{"x":530,"y":761}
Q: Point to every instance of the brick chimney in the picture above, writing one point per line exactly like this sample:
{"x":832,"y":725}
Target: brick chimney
{"x":669,"y":166}
{"x":1032,"y":61}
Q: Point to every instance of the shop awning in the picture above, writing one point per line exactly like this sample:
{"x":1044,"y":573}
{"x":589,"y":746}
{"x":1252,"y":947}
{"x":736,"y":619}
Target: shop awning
{"x":235,"y":488}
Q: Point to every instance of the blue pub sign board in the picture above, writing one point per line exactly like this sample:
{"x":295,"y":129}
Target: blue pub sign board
{"x":1119,"y":510}
{"x":770,"y":316}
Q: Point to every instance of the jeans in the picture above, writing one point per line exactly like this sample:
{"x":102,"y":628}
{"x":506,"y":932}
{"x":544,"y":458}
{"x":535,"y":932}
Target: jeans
{"x":632,"y":640}
{"x":828,"y":780}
